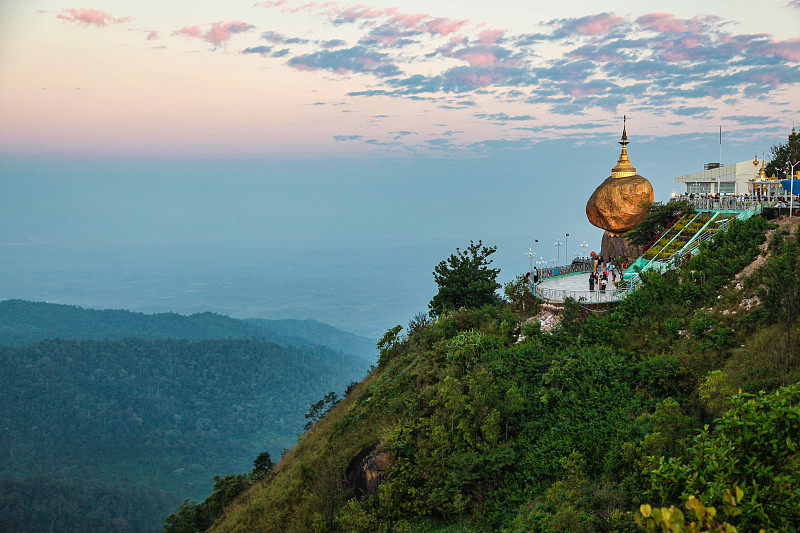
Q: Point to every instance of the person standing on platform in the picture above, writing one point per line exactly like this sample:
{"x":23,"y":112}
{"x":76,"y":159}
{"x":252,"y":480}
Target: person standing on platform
{"x":591,"y":282}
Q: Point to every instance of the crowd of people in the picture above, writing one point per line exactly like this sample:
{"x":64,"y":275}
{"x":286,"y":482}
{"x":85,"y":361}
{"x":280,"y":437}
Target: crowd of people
{"x":758,"y":197}
{"x":602,"y":272}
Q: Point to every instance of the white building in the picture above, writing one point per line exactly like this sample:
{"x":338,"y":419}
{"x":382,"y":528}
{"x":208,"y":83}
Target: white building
{"x":735,"y":178}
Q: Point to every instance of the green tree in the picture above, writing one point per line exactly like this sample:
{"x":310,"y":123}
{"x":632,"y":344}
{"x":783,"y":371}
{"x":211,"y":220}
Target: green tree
{"x":320,"y":409}
{"x":784,"y":154}
{"x":465,"y":279}
{"x":518,"y":292}
{"x":656,"y":220}
{"x":192,"y":517}
{"x":262,"y":466}
{"x":753,"y":446}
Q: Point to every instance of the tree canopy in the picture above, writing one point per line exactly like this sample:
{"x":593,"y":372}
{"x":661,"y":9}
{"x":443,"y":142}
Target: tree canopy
{"x":784,"y":154}
{"x":465,"y":279}
{"x":568,"y":430}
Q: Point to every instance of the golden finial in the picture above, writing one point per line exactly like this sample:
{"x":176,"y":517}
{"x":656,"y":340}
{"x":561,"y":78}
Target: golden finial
{"x":624,"y":140}
{"x":624,"y":167}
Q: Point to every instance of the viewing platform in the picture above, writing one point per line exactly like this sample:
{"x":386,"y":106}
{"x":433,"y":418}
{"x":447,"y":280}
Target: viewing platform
{"x":572,"y":281}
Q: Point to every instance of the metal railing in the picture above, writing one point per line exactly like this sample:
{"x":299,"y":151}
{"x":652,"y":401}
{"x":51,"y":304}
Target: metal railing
{"x":611,"y":294}
{"x":734,"y":203}
{"x":545,"y":273}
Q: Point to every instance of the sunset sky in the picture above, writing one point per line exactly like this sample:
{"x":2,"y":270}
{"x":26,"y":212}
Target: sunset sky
{"x":284,"y":77}
{"x":334,"y":124}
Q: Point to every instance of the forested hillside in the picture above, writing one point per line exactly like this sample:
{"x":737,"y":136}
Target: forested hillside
{"x":23,"y":322}
{"x":112,"y":435}
{"x":465,"y":426}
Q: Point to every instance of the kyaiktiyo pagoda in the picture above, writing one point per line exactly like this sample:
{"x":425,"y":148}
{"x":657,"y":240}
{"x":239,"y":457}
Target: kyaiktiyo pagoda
{"x":620,"y":203}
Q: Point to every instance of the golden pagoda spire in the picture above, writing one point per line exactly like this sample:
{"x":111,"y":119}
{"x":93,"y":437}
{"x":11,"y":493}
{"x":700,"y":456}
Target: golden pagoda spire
{"x":624,"y":167}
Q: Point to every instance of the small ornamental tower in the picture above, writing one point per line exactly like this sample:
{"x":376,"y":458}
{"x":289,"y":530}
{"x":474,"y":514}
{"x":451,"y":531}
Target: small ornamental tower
{"x":619,"y":203}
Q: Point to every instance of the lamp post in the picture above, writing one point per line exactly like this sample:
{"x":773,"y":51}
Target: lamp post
{"x":529,"y":253}
{"x":566,"y":249}
{"x":791,"y":186}
{"x":557,"y":244}
{"x":584,"y":246}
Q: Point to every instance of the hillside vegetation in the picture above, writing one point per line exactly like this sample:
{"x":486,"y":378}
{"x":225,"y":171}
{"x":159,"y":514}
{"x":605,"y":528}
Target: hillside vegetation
{"x":23,"y":322}
{"x":468,"y":427}
{"x":111,"y":435}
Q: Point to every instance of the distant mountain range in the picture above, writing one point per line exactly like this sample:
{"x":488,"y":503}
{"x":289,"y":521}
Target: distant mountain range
{"x":23,"y":322}
{"x":111,"y":418}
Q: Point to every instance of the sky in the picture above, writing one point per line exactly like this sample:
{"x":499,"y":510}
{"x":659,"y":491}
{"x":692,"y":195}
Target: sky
{"x":281,"y":77}
{"x":220,"y":121}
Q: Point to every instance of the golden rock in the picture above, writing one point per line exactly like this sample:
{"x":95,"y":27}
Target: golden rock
{"x":620,"y":202}
{"x":616,"y":205}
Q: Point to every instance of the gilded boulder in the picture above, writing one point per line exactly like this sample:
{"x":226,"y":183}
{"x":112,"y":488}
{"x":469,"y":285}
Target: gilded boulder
{"x":619,"y":203}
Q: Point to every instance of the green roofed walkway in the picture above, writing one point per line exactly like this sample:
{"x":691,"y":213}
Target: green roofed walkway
{"x":684,"y":238}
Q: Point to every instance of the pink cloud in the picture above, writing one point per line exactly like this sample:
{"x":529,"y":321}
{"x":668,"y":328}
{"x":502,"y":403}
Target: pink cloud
{"x":354,"y":13}
{"x":794,"y":3}
{"x":662,"y":22}
{"x":767,"y":78}
{"x":681,"y":49}
{"x":487,"y":57}
{"x":90,"y":17}
{"x":667,"y":22}
{"x":788,"y":49}
{"x":442,"y":26}
{"x":598,"y":24}
{"x":482,"y":58}
{"x":490,"y":36}
{"x":408,"y":20}
{"x":217,"y":33}
{"x":303,"y":67}
{"x":675,"y":56}
{"x":359,"y":11}
{"x":579,"y":91}
{"x":271,"y":4}
{"x":152,"y":36}
{"x":479,"y":79}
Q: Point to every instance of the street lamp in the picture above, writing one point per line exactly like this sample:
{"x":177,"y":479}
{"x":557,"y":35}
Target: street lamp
{"x":566,"y":249}
{"x":529,"y":253}
{"x":584,"y":246}
{"x":557,"y":244}
{"x":791,"y":187}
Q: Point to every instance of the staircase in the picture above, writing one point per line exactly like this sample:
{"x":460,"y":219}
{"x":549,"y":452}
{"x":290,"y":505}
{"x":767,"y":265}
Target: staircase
{"x":682,"y":240}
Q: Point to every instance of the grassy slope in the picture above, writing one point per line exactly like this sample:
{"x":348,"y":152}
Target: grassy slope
{"x":549,"y":435}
